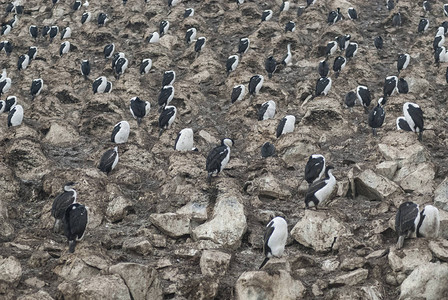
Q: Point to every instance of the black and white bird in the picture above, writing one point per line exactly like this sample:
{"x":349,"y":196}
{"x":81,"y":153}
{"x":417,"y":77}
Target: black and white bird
{"x":402,"y":124}
{"x":286,"y":125}
{"x":239,"y":2}
{"x":190,"y":36}
{"x":32,"y":52}
{"x":267,"y":110}
{"x":376,"y":116}
{"x":414,"y":116}
{"x":310,"y":2}
{"x":343,"y":41}
{"x":65,"y":48}
{"x":86,"y":17}
{"x":266,"y":15}
{"x":115,"y":59}
{"x":270,"y":65}
{"x":109,"y":160}
{"x":166,"y":118}
{"x":109,"y":50}
{"x":338,"y":65}
{"x":429,"y":223}
{"x":23,"y":62}
{"x":232,"y":63}
{"x":275,"y":238}
{"x":323,"y":68}
{"x":120,"y":133}
{"x":323,"y":86}
{"x":351,"y":50}
{"x":108,"y":88}
{"x":5,"y":85}
{"x":139,"y":108}
{"x":390,"y":85}
{"x":334,"y":16}
{"x":352,"y":14}
{"x":406,"y":221}
{"x":172,"y":3}
{"x":55,"y":2}
{"x":120,"y":66}
{"x":319,"y":192}
{"x":284,"y":6}
{"x":6,"y":29}
{"x":445,"y":10}
{"x":45,"y":30}
{"x":99,"y":85}
{"x":153,"y":38}
{"x":85,"y":68}
{"x":378,"y":42}
{"x":288,"y":57}
{"x":439,"y":39}
{"x":243,"y":45}
{"x":36,"y":87}
{"x":54,"y":31}
{"x":255,"y":84}
{"x":315,"y":168}
{"x":34,"y":32}
{"x":10,"y":103}
{"x":300,"y":11}
{"x":390,"y":4}
{"x":15,"y":116}
{"x":165,"y":96}
{"x":238,"y":93}
{"x":199,"y":45}
{"x":331,"y":48}
{"x":290,"y":26}
{"x":218,"y":158}
{"x":14,"y":21}
{"x":440,"y":55}
{"x":402,"y":86}
{"x":66,"y":33}
{"x":189,"y":12}
{"x":396,"y":19}
{"x":364,"y":96}
{"x":76,"y":219}
{"x":169,"y":77}
{"x":267,"y":150}
{"x":77,"y":5}
{"x":61,"y":203}
{"x":423,"y":25}
{"x":145,"y":66}
{"x":184,"y":140}
{"x":102,"y":19}
{"x":426,"y":6}
{"x":2,"y":106}
{"x":163,"y":27}
{"x":350,"y":99}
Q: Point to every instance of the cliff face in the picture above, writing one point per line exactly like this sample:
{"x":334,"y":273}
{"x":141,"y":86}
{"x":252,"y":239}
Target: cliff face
{"x":157,"y":229}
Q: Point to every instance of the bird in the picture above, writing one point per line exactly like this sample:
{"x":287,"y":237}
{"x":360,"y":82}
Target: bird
{"x":396,"y":19}
{"x":232,"y":63}
{"x":270,"y":65}
{"x":109,"y":160}
{"x":168,"y":77}
{"x":36,"y":87}
{"x":390,"y":84}
{"x":199,"y":45}
{"x":32,"y":52}
{"x":163,"y":27}
{"x":115,"y":59}
{"x":334,"y":16}
{"x":77,"y":5}
{"x":172,"y":3}
{"x":5,"y":85}
{"x":23,"y":62}
{"x":108,"y":88}
{"x":266,"y":15}
{"x":323,"y":86}
{"x":323,"y":68}
{"x":402,"y":86}
{"x":6,"y":29}
{"x":218,"y":158}
{"x":406,"y":221}
{"x":2,"y":106}
{"x":290,"y":26}
{"x":343,"y":41}
{"x":320,"y":191}
{"x":86,"y":17}
{"x":99,"y":85}
{"x":238,"y":92}
{"x":402,"y":124}
{"x":300,"y":11}
{"x":352,"y":14}
{"x":288,"y":57}
{"x":378,"y":42}
{"x":338,"y":65}
{"x":239,"y":2}
{"x":14,"y":21}
{"x":145,"y":66}
{"x":255,"y":84}
{"x":15,"y":116}
{"x":376,"y":116}
{"x":243,"y":46}
{"x":350,"y":99}
{"x":189,"y":12}
{"x":429,"y":223}
{"x":351,"y":50}
{"x":153,"y":38}
{"x":440,"y":55}
{"x":55,"y":2}
{"x":65,"y":48}
{"x":275,"y":238}
{"x":139,"y":108}
{"x":267,"y":150}
{"x":109,"y":50}
{"x":102,"y":19}
{"x":190,"y":36}
{"x":34,"y":32}
{"x":390,"y":4}
{"x":286,"y":125}
{"x":439,"y":39}
{"x":75,"y":223}
{"x":414,"y":116}
{"x":426,"y":6}
{"x":445,"y":10}
{"x":314,"y":168}
{"x":54,"y":31}
{"x":10,"y":103}
{"x":45,"y":30}
{"x":85,"y":68}
{"x":284,"y":6}
{"x":121,"y":66}
{"x":165,"y":96}
{"x":61,"y":203}
{"x":310,"y":2}
{"x":184,"y":140}
{"x":423,"y":25}
{"x":120,"y":133}
{"x":166,"y":118}
{"x":66,"y":33}
{"x":267,"y":110}
{"x":364,"y":96}
{"x":331,"y":48}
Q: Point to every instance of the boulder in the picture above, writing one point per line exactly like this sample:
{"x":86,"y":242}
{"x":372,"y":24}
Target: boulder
{"x":374,"y":186}
{"x":172,"y":224}
{"x":40,"y":295}
{"x":6,"y":228}
{"x":269,"y":186}
{"x":387,"y":169}
{"x":59,"y":134}
{"x":10,"y":273}
{"x":352,"y":278}
{"x":443,"y":231}
{"x":138,"y":245}
{"x":196,"y":210}
{"x":407,"y":259}
{"x":118,"y":208}
{"x":27,"y":160}
{"x":439,"y":248}
{"x":214,"y":262}
{"x":428,"y":281}
{"x":75,"y":269}
{"x":441,"y":195}
{"x":402,"y":148}
{"x":417,"y":178}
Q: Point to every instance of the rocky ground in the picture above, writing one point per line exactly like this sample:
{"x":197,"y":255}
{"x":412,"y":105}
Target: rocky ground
{"x":157,"y":229}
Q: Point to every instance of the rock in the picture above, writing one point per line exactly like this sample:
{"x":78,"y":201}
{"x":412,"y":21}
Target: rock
{"x":318,"y":231}
{"x":227,"y":225}
{"x":139,"y":245}
{"x":35,"y":282}
{"x":75,"y":269}
{"x":402,"y":148}
{"x":196,"y":210}
{"x":294,"y":150}
{"x":428,"y":281}
{"x":269,"y":186}
{"x":143,"y":281}
{"x":410,"y":257}
{"x":443,"y":230}
{"x":27,"y":159}
{"x":214,"y":262}
{"x":330,"y":265}
{"x":172,"y":224}
{"x":59,"y":134}
{"x":6,"y":228}
{"x":255,"y":285}
{"x":372,"y":292}
{"x":387,"y":169}
{"x":352,"y":278}
{"x":38,"y":259}
{"x":439,"y":248}
{"x":118,"y":208}
{"x":377,"y":254}
{"x":40,"y":295}
{"x":10,"y":273}
{"x":441,"y":195}
{"x":375,"y":187}
{"x":416,"y":178}
{"x":352,"y":263}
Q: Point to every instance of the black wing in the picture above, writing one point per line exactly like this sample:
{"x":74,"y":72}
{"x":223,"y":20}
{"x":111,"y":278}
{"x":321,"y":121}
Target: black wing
{"x":403,"y":87}
{"x":267,"y":234}
{"x":198,"y":45}
{"x":177,"y":139}
{"x":165,"y":93}
{"x":338,"y":62}
{"x":143,"y":66}
{"x":36,"y":85}
{"x":242,"y":46}
{"x":378,"y":42}
{"x":313,"y":168}
{"x":436,"y":42}
{"x":313,"y":188}
{"x":262,"y":111}
{"x":85,"y":67}
{"x":20,"y":61}
{"x":84,"y":18}
{"x":188,"y":35}
{"x":321,"y":85}
{"x":365,"y":96}
{"x":167,"y":78}
{"x":264,"y":14}
{"x":165,"y":116}
{"x":353,"y":14}
{"x":350,"y":51}
{"x":229,"y":63}
{"x":376,"y":117}
{"x":416,"y":114}
{"x":236,"y":92}
{"x":10,"y":115}
{"x":254,"y":81}
{"x":107,"y":160}
{"x":115,"y":131}
{"x":400,"y":62}
{"x":119,"y":64}
{"x":403,"y":124}
{"x":138,"y":107}
{"x":404,"y":220}
{"x":324,"y":69}
{"x":350,"y":99}
{"x":96,"y":84}
{"x":280,"y":127}
{"x":75,"y":221}
{"x":215,"y":157}
{"x":60,"y":204}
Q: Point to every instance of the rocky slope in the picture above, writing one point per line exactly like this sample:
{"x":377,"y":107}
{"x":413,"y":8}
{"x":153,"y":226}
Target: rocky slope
{"x":157,"y":229}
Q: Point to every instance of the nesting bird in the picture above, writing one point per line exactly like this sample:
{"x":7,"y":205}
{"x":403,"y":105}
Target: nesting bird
{"x":284,"y":6}
{"x":439,"y":39}
{"x":290,"y":26}
{"x":364,"y":96}
{"x":334,"y":16}
{"x":7,"y":47}
{"x":378,"y":42}
{"x":423,"y":25}
{"x":314,"y":168}
{"x":189,"y":12}
{"x":255,"y":84}
{"x":32,"y":52}
{"x":120,"y":133}
{"x":102,"y":19}
{"x":402,"y":86}
{"x":426,"y":6}
{"x":406,"y":221}
{"x":120,"y":66}
{"x":199,"y":45}
{"x":238,"y":92}
{"x":350,"y":99}
{"x":414,"y":117}
{"x":15,"y":116}
{"x":243,"y":45}
{"x":65,"y":48}
{"x":319,"y":192}
{"x":218,"y":158}
{"x":139,"y":108}
{"x":396,"y":19}
{"x":99,"y":85}
{"x":331,"y":48}
{"x":163,"y":27}
{"x":351,"y":50}
{"x":190,"y":36}
{"x":168,"y":78}
{"x":338,"y":65}
{"x":166,"y":118}
{"x":36,"y":87}
{"x":267,"y":110}
{"x":323,"y":68}
{"x":5,"y":85}
{"x":288,"y":57}
{"x":270,"y":65}
{"x":61,"y":203}
{"x":109,"y":50}
{"x":54,"y":31}
{"x":109,"y":160}
{"x":266,"y":15}
{"x":86,"y":17}
{"x":10,"y":103}
{"x":390,"y":84}
{"x":165,"y":96}
{"x":275,"y":238}
{"x":34,"y":32}
{"x":145,"y":66}
{"x":323,"y":86}
{"x":23,"y":62}
{"x":286,"y":125}
{"x":75,"y":223}
{"x":85,"y":68}
{"x":352,"y":14}
{"x":153,"y":38}
{"x":66,"y":33}
{"x":376,"y":116}
{"x":343,"y":41}
{"x":184,"y":140}
{"x":232,"y":63}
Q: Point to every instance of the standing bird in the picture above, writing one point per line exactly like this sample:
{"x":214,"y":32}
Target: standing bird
{"x":32,"y":52}
{"x":426,"y":6}
{"x":300,"y":11}
{"x":331,"y":48}
{"x":77,"y":5}
{"x":290,"y":26}
{"x":163,"y":27}
{"x":66,"y":33}
{"x":310,"y":2}
{"x":99,"y":85}
{"x":286,"y":125}
{"x":267,"y":110}
{"x":120,"y":133}
{"x":320,"y":191}
{"x":139,"y":109}
{"x":54,"y":31}
{"x":270,"y":65}
{"x":238,"y":92}
{"x":10,"y":103}
{"x":153,"y":38}
{"x":36,"y":87}
{"x":61,"y":203}
{"x":378,"y":42}
{"x":243,"y":46}
{"x":364,"y":96}
{"x":86,"y":17}
{"x":323,"y":68}
{"x":166,"y":118}
{"x":184,"y":140}
{"x":85,"y":68}
{"x":402,"y":86}
{"x":165,"y":96}
{"x":34,"y":32}
{"x":255,"y":84}
{"x":121,"y":66}
{"x":172,"y":3}
{"x":376,"y":116}
{"x":15,"y":116}
{"x":390,"y":84}
{"x":396,"y":19}
{"x":109,"y":50}
{"x":65,"y":48}
{"x":6,"y":29}
{"x":343,"y":41}
{"x":189,"y":12}
{"x":168,"y":77}
{"x":406,"y":221}
{"x":275,"y":238}
{"x":423,"y":25}
{"x":115,"y":59}
{"x":266,"y":15}
{"x":288,"y":57}
{"x":45,"y":30}
{"x":109,"y":160}
{"x":352,"y":14}
{"x":351,"y":50}
{"x":445,"y":10}
{"x":102,"y":19}
{"x":2,"y":106}
{"x":390,"y":4}
{"x":199,"y":45}
{"x":429,"y":223}
{"x":145,"y":66}
{"x":267,"y":150}
{"x":315,"y":168}
{"x":7,"y":47}
{"x":439,"y":39}
{"x":190,"y":36}
{"x":338,"y":65}
{"x":5,"y":85}
{"x":75,"y":223}
{"x":323,"y":86}
{"x":218,"y":158}
{"x":232,"y":63}
{"x":23,"y":62}
{"x":334,"y":16}
{"x":284,"y":6}
{"x":440,"y":55}
{"x":350,"y":99}
{"x":414,"y":116}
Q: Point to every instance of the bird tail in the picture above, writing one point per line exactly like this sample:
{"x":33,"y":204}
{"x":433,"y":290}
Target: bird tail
{"x":420,"y":136}
{"x":400,"y":242}
{"x":71,"y":246}
{"x":56,"y":225}
{"x":263,"y":263}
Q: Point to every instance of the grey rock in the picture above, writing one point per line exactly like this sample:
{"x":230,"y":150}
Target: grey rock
{"x":439,"y":248}
{"x":118,"y":208}
{"x":387,"y":169}
{"x":417,"y":178}
{"x":402,"y":148}
{"x":74,"y":269}
{"x":172,"y":224}
{"x":269,"y":186}
{"x":374,"y":186}
{"x":352,"y":278}
{"x":59,"y":134}
{"x":410,"y":257}
{"x":139,"y":245}
{"x":40,"y":295}
{"x":10,"y":273}
{"x":428,"y":281}
{"x":443,"y":230}
{"x":214,"y":262}
{"x":441,"y":195}
{"x":352,"y":263}
{"x":196,"y":210}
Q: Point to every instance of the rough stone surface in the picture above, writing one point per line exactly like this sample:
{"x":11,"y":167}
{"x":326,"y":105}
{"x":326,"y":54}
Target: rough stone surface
{"x":439,"y":248}
{"x":61,"y":134}
{"x":441,"y":195}
{"x":10,"y":273}
{"x":417,"y":178}
{"x":374,"y":186}
{"x":172,"y":224}
{"x":387,"y":169}
{"x":214,"y":262}
{"x":429,"y":281}
{"x":117,"y":209}
{"x":270,"y":187}
{"x":352,"y":278}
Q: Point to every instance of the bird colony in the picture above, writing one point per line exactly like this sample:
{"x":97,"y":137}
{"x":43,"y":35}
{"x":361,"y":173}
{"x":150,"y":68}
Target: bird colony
{"x":174,"y":149}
